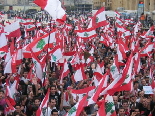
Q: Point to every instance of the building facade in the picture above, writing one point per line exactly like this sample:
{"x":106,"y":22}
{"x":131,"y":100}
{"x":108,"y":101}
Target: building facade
{"x":98,"y":4}
{"x":149,"y":5}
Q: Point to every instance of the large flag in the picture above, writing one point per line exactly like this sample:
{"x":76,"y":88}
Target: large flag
{"x":86,"y":34}
{"x":13,"y":29}
{"x":42,"y":42}
{"x":53,"y":7}
{"x":3,"y":43}
{"x":79,"y":74}
{"x":56,"y":54}
{"x":99,"y":18}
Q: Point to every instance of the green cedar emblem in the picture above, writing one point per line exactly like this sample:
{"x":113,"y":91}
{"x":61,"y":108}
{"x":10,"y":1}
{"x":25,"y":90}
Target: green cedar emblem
{"x":2,"y":52}
{"x":35,"y":64}
{"x":41,"y":44}
{"x":54,"y":58}
{"x":71,"y":111}
{"x":127,"y":76}
{"x":43,"y":111}
{"x":97,"y":19}
{"x":112,"y":69}
{"x":86,"y":34}
{"x":109,"y":106}
{"x":29,"y":26}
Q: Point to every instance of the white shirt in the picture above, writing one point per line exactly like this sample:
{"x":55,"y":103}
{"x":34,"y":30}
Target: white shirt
{"x":48,"y":111}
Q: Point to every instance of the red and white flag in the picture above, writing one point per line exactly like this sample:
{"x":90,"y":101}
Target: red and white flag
{"x":99,"y":18}
{"x":65,"y":71}
{"x":53,"y":7}
{"x":79,"y":74}
{"x":42,"y":43}
{"x":86,"y":34}
{"x":13,"y":29}
{"x":56,"y":54}
{"x":77,"y":109}
{"x":44,"y":105}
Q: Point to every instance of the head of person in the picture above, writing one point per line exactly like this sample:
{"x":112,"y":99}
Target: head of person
{"x":1,"y":94}
{"x":25,"y":73}
{"x":132,"y":99}
{"x":54,"y":112}
{"x":18,"y":108}
{"x":53,"y":89}
{"x":12,"y":78}
{"x":37,"y":102}
{"x":115,"y":98}
{"x":125,"y":104}
{"x":52,"y":102}
{"x":135,"y":84}
{"x":121,"y":111}
{"x":137,"y":111}
{"x":67,"y":108}
{"x":143,"y":81}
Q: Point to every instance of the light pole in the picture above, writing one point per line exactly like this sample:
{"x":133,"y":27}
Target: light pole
{"x":24,"y":7}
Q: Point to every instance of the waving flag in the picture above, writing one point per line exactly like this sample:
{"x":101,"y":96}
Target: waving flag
{"x":13,"y":29}
{"x":43,"y":106}
{"x":76,"y":109}
{"x":42,"y":42}
{"x":99,"y":18}
{"x":53,"y":7}
{"x":86,"y":34}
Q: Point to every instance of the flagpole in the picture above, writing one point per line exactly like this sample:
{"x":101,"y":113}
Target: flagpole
{"x":47,"y":65}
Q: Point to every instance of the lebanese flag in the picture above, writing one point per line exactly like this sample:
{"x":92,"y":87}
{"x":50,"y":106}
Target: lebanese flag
{"x":149,"y":33}
{"x":3,"y":52}
{"x":137,"y":63}
{"x":86,"y":34}
{"x":126,"y":85}
{"x":37,"y":66}
{"x":4,"y":41}
{"x":105,"y":41}
{"x":21,"y":20}
{"x":44,"y":104}
{"x":152,"y":78}
{"x":119,"y":22}
{"x":101,"y":111}
{"x":42,"y":43}
{"x":117,"y":82}
{"x":80,"y":92}
{"x":12,"y":89}
{"x":109,"y":106}
{"x":79,"y":74}
{"x":9,"y":108}
{"x":19,"y":56}
{"x":1,"y":28}
{"x":117,"y":14}
{"x":56,"y":54}
{"x":29,"y":26}
{"x":102,"y":84}
{"x":146,"y":51}
{"x":89,"y":60}
{"x":65,"y":71}
{"x":11,"y":65}
{"x":78,"y":107}
{"x":114,"y":68}
{"x":121,"y":50}
{"x":99,"y":18}
{"x":53,"y":7}
{"x":13,"y":29}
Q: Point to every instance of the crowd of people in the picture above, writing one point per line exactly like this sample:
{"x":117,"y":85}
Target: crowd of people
{"x":115,"y":65}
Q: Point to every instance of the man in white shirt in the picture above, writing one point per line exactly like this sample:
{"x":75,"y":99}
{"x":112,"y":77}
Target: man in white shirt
{"x":52,"y":105}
